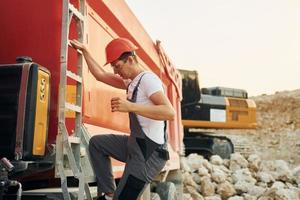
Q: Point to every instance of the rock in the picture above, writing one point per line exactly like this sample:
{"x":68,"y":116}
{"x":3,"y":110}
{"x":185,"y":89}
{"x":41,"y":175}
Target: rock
{"x":282,"y":171}
{"x":203,"y":171}
{"x":265,"y":177}
{"x":188,"y":180}
{"x":278,"y":185}
{"x":195,"y":161}
{"x":286,"y":194}
{"x":256,"y":191}
{"x":254,"y":162}
{"x":215,"y":197}
{"x":194,"y":194}
{"x":242,"y":186}
{"x":189,"y":189}
{"x":154,"y":196}
{"x":218,"y":175}
{"x":196,"y":178}
{"x":207,"y":187}
{"x":267,"y":166}
{"x":187,"y":196}
{"x":237,"y":161}
{"x":296,"y":190}
{"x":229,"y":179}
{"x":216,"y":160}
{"x":249,"y":197}
{"x":207,"y":165}
{"x":261,"y":184}
{"x":236,"y":198}
{"x":226,"y":190}
{"x":243,"y":175}
{"x":296,"y":174}
{"x":225,"y":169}
{"x":278,"y":169}
{"x":269,"y":194}
{"x":265,"y":198}
{"x":166,"y":190}
{"x":226,"y":163}
{"x":197,"y":196}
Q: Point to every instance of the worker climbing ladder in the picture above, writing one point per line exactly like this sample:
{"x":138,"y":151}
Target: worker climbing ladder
{"x":71,"y":154}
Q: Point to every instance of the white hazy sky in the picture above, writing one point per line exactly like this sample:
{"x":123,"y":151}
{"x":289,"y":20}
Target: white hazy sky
{"x":247,"y":44}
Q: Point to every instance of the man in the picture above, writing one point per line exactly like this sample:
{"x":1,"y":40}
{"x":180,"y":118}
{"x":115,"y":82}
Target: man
{"x":143,"y":150}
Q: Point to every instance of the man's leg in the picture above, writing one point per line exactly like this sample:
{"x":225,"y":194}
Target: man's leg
{"x":101,"y":147}
{"x":130,"y":187}
{"x":137,"y":175}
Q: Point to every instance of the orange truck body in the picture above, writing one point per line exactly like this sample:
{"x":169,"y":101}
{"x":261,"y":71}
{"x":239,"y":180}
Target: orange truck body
{"x":34,"y":28}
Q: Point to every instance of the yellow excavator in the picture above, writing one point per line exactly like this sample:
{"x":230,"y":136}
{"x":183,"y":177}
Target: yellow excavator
{"x":213,"y":108}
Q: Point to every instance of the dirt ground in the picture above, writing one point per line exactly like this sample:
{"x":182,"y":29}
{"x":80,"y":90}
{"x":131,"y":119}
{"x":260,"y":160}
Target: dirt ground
{"x":277,"y":135}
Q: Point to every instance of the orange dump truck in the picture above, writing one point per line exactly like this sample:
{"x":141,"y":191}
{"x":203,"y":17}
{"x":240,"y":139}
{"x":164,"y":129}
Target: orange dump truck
{"x":50,"y":103}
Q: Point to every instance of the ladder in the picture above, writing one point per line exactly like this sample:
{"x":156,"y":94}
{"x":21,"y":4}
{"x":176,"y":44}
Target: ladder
{"x":71,"y":154}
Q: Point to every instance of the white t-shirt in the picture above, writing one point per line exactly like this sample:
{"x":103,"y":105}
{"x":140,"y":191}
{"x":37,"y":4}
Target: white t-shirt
{"x":150,"y":83}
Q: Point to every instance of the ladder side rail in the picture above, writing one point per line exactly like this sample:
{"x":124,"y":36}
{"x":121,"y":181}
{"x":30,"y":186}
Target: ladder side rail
{"x":63,"y":61}
{"x":59,"y":158}
{"x":78,"y":115}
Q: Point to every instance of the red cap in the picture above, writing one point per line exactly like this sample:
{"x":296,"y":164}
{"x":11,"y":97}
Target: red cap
{"x":117,"y":47}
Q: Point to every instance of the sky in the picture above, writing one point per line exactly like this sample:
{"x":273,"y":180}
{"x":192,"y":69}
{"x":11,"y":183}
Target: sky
{"x":247,"y":44}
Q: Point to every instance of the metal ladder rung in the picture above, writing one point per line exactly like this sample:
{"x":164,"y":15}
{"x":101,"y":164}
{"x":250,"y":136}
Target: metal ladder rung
{"x":68,"y":172}
{"x":73,"y":107}
{"x":74,"y":76}
{"x":76,"y":12}
{"x":74,"y":140}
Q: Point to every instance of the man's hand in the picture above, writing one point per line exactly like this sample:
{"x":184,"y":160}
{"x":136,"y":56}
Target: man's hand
{"x":120,"y":105}
{"x":77,"y":45}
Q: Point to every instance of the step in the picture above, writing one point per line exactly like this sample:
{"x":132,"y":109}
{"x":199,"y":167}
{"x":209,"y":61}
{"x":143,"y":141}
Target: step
{"x":73,"y":107}
{"x":74,"y":140}
{"x":49,"y":193}
{"x":74,"y":76}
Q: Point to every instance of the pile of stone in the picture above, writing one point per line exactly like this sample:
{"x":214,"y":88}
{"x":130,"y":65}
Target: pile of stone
{"x":239,"y":178}
{"x":280,"y":111}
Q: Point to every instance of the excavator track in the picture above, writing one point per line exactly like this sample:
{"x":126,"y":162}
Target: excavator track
{"x":222,"y":144}
{"x":240,"y":143}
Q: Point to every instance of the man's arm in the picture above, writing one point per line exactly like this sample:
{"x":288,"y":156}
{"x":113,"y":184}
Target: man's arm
{"x":161,"y":110}
{"x":98,"y":72}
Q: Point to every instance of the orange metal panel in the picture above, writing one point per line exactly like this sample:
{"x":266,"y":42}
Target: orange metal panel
{"x":97,"y":95}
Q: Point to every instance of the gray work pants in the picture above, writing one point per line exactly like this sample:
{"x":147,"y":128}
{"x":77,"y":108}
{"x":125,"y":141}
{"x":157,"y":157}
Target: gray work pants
{"x":138,"y":171}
